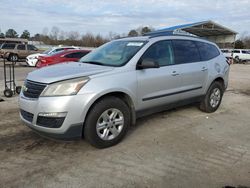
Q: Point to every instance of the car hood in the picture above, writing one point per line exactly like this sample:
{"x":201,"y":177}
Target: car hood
{"x":34,"y":55}
{"x":65,"y":71}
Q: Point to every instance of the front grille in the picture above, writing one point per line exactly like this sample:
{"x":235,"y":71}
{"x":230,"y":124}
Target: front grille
{"x":50,"y":122}
{"x":33,"y":89}
{"x":27,"y":116}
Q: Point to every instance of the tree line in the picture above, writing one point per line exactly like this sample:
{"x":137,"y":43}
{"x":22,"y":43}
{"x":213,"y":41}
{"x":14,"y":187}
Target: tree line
{"x":55,"y":36}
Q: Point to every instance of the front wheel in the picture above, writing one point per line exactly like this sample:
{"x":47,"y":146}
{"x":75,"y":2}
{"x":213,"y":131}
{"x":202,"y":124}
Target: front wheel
{"x":213,"y":97}
{"x":107,"y":122}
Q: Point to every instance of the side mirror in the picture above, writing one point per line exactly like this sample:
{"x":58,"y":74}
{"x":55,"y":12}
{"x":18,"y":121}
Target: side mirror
{"x":147,"y":64}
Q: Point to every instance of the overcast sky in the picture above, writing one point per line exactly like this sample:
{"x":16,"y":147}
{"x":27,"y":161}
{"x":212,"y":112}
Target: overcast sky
{"x":120,"y":16}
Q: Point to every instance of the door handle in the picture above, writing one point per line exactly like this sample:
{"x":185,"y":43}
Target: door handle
{"x":203,"y":69}
{"x":174,"y":73}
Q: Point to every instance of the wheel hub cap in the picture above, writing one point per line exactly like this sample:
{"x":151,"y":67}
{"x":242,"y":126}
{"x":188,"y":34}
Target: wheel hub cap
{"x":215,"y":97}
{"x":110,"y":124}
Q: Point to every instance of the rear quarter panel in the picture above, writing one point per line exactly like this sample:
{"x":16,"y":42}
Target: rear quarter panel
{"x":218,"y":68}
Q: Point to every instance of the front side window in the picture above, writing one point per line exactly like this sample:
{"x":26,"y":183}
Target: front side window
{"x":115,"y":53}
{"x":160,"y":52}
{"x":207,"y":51}
{"x":21,"y":47}
{"x":185,"y":51}
{"x":31,"y":47}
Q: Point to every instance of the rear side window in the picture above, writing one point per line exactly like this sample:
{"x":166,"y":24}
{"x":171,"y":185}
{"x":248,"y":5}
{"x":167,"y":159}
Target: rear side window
{"x":207,"y":51}
{"x":77,"y":55}
{"x":21,"y":47}
{"x":8,"y":46}
{"x":160,"y":52}
{"x":61,"y":49}
{"x":245,"y":52}
{"x":185,"y":51}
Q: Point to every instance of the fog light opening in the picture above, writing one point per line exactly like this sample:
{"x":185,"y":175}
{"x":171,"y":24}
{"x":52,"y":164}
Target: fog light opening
{"x":52,"y":114}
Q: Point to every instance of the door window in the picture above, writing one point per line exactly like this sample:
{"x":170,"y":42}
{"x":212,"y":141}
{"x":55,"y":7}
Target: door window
{"x":185,"y":51}
{"x":8,"y":46}
{"x":21,"y":47}
{"x":160,"y":52}
{"x":77,"y":55}
{"x":207,"y":51}
{"x":31,"y":47}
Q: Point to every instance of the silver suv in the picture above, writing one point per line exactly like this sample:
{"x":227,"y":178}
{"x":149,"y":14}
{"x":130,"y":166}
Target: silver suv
{"x":103,"y":94}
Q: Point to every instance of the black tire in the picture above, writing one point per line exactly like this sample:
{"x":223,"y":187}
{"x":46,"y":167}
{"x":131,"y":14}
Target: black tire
{"x":205,"y":104}
{"x":8,"y":93}
{"x":13,"y":58}
{"x":18,"y":89}
{"x":103,"y":105}
{"x":237,"y":59}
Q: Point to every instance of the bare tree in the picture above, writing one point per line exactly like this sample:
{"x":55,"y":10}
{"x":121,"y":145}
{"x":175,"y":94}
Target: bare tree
{"x":73,"y":35}
{"x":54,"y":33}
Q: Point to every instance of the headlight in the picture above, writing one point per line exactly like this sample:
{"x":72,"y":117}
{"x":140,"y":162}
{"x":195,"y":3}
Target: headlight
{"x":64,"y":88}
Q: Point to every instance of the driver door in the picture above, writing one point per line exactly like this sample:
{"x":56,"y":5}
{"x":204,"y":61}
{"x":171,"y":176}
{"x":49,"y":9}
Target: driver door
{"x":159,"y":86}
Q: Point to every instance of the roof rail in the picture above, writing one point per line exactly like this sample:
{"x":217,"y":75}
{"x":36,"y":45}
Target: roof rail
{"x":168,"y":33}
{"x":158,"y":34}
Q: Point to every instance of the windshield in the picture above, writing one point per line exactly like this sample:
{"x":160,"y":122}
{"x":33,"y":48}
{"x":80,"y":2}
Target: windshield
{"x":47,"y":51}
{"x":116,"y":53}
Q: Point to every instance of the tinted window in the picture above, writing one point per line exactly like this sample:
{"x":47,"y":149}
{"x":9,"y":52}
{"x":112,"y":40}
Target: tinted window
{"x":245,"y":52}
{"x":31,"y":47}
{"x":207,"y":51}
{"x":58,"y":50}
{"x":21,"y":47}
{"x":79,"y":54}
{"x":236,"y":51}
{"x":185,"y":51}
{"x":160,"y":52}
{"x":8,"y":46}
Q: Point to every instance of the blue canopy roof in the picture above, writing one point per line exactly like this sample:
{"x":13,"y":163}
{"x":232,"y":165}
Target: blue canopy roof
{"x":201,"y":29}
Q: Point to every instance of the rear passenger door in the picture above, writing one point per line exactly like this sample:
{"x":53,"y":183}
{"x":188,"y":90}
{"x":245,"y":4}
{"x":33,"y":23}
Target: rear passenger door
{"x":158,"y":86}
{"x":21,"y":50}
{"x":194,"y":71}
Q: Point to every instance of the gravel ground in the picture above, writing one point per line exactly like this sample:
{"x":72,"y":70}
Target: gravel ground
{"x":183,"y":147}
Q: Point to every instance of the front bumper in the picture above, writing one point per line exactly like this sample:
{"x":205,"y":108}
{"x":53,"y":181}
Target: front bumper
{"x":72,"y":106}
{"x":31,"y":62}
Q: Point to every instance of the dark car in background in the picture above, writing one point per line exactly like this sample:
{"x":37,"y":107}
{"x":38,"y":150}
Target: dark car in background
{"x":60,"y":57}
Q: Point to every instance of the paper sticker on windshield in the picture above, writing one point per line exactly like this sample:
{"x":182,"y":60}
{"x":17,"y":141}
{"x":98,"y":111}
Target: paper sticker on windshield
{"x":135,"y":44}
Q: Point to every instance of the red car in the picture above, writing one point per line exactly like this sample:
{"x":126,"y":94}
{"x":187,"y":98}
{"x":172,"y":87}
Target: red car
{"x":60,"y":57}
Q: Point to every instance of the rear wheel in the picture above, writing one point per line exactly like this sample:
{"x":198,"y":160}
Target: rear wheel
{"x":213,"y":97}
{"x":107,"y":122}
{"x":13,"y":57}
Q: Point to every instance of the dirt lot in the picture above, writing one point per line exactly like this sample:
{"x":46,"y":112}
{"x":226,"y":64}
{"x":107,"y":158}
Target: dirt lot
{"x":179,"y":148}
